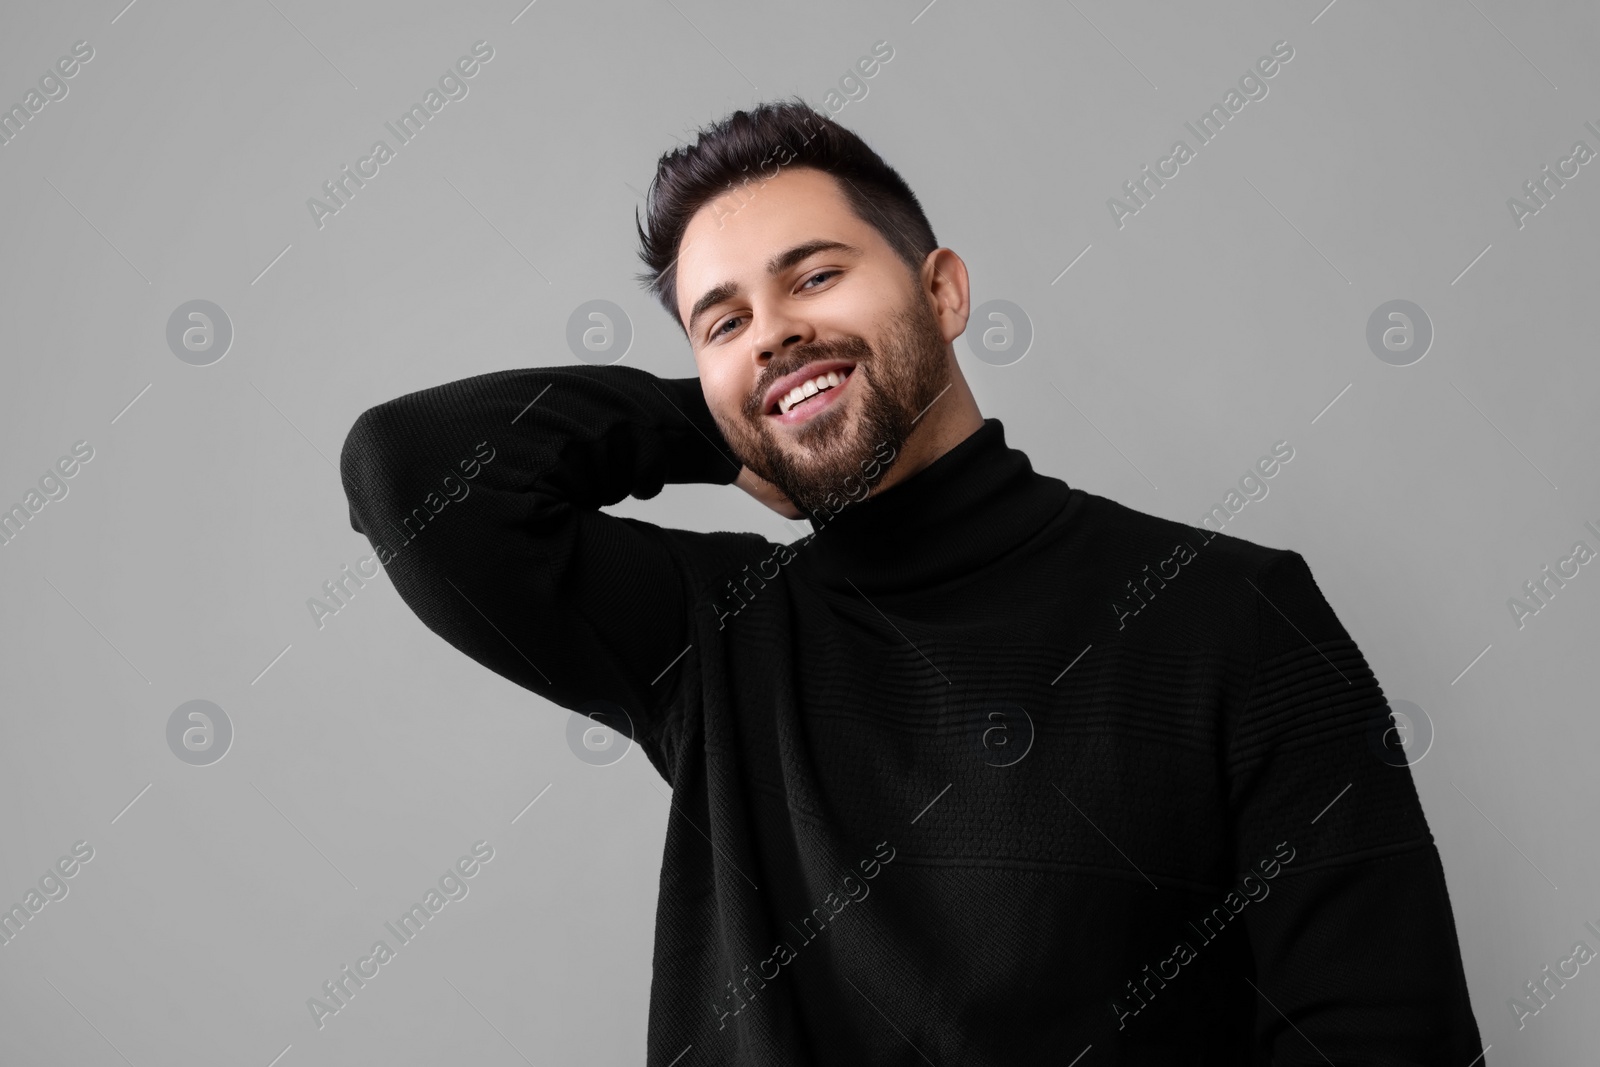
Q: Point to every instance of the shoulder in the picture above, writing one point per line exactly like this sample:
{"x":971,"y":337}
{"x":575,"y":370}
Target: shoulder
{"x":1112,"y":530}
{"x":1182,"y":580}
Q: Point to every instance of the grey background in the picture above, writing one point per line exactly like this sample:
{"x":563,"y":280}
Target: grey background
{"x":368,"y":755}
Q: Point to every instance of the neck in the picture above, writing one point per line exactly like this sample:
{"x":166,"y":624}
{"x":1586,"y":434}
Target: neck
{"x":959,"y":514}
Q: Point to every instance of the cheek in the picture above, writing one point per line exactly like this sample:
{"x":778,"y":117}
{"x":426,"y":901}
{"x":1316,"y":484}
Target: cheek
{"x":736,"y":395}
{"x":722,"y":393}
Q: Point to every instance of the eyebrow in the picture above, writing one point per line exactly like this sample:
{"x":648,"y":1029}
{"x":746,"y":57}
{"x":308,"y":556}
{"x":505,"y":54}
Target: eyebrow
{"x":775,"y":266}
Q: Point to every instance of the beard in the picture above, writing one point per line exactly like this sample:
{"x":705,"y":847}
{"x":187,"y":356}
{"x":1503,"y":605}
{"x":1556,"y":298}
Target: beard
{"x":827,"y":455}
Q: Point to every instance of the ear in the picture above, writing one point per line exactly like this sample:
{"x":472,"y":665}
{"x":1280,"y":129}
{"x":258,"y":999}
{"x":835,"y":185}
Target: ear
{"x":944,"y":284}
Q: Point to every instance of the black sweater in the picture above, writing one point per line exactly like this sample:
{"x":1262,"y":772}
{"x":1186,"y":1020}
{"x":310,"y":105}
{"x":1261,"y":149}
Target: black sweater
{"x":986,"y":770}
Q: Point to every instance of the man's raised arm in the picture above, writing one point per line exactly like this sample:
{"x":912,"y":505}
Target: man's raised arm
{"x":482,"y":498}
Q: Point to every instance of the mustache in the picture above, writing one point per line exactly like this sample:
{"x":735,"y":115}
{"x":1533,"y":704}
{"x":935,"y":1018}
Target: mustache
{"x":854,"y":349}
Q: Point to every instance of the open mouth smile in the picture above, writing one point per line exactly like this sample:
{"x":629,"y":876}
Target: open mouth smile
{"x":805,"y":400}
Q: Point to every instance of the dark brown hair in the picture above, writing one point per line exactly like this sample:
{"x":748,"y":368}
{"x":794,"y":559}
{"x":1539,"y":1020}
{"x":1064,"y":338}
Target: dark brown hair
{"x":756,"y":144}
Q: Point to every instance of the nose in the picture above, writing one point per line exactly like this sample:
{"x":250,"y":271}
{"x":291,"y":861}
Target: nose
{"x":777,"y":328}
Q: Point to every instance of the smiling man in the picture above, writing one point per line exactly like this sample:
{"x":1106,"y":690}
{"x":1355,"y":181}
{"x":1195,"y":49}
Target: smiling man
{"x":1064,"y":832}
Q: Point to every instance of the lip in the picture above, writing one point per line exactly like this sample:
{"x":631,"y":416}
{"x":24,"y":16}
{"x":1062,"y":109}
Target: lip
{"x":784,"y":385}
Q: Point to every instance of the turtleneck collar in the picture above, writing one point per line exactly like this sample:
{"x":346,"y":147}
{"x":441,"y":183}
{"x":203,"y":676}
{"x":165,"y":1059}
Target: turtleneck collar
{"x":967,"y":508}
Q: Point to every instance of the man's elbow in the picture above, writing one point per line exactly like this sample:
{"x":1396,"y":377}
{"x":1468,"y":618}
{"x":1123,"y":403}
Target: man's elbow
{"x":368,"y":451}
{"x":371,"y":467}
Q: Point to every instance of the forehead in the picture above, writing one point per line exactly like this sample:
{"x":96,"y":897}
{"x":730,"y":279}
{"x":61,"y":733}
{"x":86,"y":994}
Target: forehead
{"x":731,"y":237}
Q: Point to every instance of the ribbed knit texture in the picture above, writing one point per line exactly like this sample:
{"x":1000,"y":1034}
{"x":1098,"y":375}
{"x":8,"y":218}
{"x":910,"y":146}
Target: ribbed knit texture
{"x":954,"y":776}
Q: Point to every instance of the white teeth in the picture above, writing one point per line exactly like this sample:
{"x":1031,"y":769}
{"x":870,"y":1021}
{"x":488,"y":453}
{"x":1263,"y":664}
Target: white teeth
{"x":811,"y":388}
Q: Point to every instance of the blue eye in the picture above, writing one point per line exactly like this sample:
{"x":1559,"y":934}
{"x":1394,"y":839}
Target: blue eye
{"x":719,"y":329}
{"x":819,"y":274}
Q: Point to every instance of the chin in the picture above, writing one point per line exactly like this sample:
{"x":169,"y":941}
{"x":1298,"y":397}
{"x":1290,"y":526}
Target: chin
{"x":820,"y":475}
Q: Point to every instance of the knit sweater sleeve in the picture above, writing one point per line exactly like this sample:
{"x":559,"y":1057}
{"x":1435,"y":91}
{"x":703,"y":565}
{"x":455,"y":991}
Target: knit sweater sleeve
{"x":482,"y":498}
{"x":1354,"y":941}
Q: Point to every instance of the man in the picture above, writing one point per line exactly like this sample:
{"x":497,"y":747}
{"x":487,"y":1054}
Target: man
{"x":987,"y":769}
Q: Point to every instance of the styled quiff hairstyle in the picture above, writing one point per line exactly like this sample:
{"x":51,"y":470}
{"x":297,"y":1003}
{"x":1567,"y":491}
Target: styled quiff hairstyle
{"x":756,"y":145}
